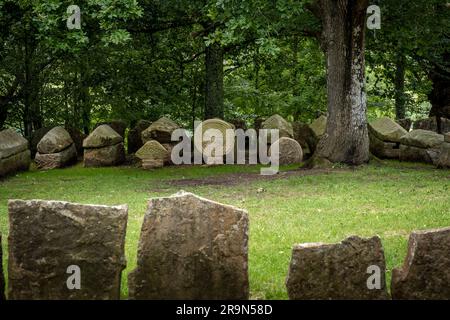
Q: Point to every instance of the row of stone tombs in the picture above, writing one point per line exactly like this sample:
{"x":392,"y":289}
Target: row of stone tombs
{"x":194,"y":248}
{"x":151,"y":145}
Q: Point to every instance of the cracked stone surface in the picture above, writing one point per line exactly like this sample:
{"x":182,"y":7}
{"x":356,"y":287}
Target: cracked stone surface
{"x":46,"y":237}
{"x":336,"y":271}
{"x":191,"y":248}
{"x":425,"y":273}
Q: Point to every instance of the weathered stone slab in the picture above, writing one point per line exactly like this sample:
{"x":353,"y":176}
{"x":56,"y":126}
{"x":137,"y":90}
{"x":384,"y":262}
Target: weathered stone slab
{"x":422,"y":139}
{"x":278,"y":122}
{"x":217,"y":125}
{"x":104,"y":157}
{"x":46,"y":237}
{"x":56,"y":140}
{"x":160,"y":131}
{"x":383,"y":150}
{"x":191,"y":248}
{"x":102,"y":136}
{"x":2,"y":278}
{"x":289,"y":151}
{"x":57,"y":160}
{"x":415,"y":154}
{"x":11,"y":143}
{"x":15,"y":163}
{"x":336,"y":271}
{"x":148,"y":164}
{"x":386,"y":130}
{"x":426,"y":271}
{"x":153,"y":150}
{"x":14,"y":153}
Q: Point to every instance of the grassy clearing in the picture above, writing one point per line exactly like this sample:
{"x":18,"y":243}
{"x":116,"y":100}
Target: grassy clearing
{"x":390,"y":200}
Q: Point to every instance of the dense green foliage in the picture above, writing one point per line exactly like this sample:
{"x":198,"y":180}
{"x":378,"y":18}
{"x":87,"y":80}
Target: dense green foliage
{"x":135,"y":59}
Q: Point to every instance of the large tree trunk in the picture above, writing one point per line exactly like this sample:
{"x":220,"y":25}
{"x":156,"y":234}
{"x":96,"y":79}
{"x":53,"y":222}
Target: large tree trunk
{"x":214,"y":82}
{"x":346,"y":139}
{"x":399,"y":82}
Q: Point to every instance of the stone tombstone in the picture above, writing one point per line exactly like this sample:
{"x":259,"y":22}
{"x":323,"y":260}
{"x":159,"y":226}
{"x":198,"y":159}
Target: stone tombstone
{"x":425,"y":273}
{"x":153,"y":150}
{"x":282,"y":125}
{"x":103,"y":147}
{"x":386,"y":129}
{"x":337,"y":271}
{"x":56,"y":150}
{"x":218,"y":125}
{"x":14,"y":153}
{"x":422,"y":139}
{"x":383,"y":150}
{"x":191,"y":248}
{"x":64,"y":251}
{"x":160,"y":131}
{"x":289,"y":151}
{"x":2,"y":278}
{"x":421,"y":145}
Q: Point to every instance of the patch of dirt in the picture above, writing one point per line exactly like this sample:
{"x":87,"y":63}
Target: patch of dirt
{"x":243,"y":178}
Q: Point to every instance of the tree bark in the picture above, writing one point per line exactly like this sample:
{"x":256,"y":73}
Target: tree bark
{"x":399,"y":82}
{"x":214,"y":82}
{"x":343,"y":26}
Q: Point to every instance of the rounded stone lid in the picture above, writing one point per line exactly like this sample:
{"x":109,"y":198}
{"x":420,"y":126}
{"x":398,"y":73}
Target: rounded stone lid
{"x":102,"y":136}
{"x":11,"y":143}
{"x":55,"y":141}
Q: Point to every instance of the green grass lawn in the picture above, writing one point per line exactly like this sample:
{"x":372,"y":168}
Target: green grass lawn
{"x":390,"y":199}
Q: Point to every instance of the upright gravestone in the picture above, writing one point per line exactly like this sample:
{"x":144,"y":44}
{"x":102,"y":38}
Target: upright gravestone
{"x":421,"y":145}
{"x":277,"y":122}
{"x":160,"y":131}
{"x":61,"y":251}
{"x":2,"y":278}
{"x":352,"y":269}
{"x":289,"y":151}
{"x":56,"y":150}
{"x":103,"y":147}
{"x":425,"y":274}
{"x":384,"y":136}
{"x":14,"y":152}
{"x":191,"y":248}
